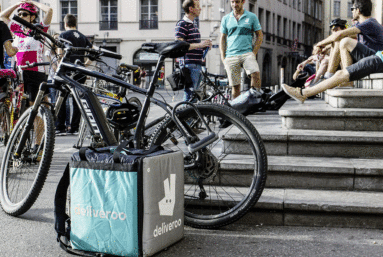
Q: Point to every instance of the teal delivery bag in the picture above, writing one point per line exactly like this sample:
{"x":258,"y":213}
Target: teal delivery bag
{"x":129,"y":206}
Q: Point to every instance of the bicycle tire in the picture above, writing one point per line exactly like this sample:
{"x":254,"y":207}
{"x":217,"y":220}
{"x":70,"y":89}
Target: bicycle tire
{"x":134,"y":100}
{"x":5,"y":124}
{"x":218,"y":181}
{"x":22,"y":180}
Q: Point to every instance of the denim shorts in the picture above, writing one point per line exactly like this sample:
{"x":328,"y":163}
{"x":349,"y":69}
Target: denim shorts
{"x":365,"y":67}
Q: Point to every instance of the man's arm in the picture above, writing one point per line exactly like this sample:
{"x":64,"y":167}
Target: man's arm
{"x":11,"y":51}
{"x":258,"y":41}
{"x":222,"y":46}
{"x":206,"y":43}
{"x":337,"y":36}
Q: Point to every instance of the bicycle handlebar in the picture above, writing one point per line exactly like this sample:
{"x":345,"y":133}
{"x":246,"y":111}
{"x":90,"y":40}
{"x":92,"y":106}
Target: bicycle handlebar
{"x":35,"y":64}
{"x":99,"y":52}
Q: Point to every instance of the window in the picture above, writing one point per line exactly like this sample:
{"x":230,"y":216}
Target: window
{"x":299,"y":32}
{"x":299,"y":5}
{"x":337,"y":8}
{"x":320,"y":11}
{"x":349,"y":12}
{"x":108,"y":15}
{"x":260,"y":17}
{"x":149,"y":14}
{"x":67,"y":7}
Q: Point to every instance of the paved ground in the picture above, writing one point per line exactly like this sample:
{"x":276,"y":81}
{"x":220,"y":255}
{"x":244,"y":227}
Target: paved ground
{"x":32,"y":234}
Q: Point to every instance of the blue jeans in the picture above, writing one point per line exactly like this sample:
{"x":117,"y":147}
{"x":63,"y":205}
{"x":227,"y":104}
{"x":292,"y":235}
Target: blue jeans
{"x":196,"y":76}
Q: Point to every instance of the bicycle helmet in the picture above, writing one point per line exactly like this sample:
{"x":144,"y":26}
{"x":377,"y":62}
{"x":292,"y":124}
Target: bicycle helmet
{"x":31,"y":8}
{"x":338,"y":22}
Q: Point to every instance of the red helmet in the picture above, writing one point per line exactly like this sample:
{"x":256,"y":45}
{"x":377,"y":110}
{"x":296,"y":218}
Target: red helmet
{"x":32,"y":9}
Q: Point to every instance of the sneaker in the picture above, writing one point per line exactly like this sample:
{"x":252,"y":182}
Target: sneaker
{"x":71,"y":132}
{"x":61,"y":132}
{"x":294,"y":92}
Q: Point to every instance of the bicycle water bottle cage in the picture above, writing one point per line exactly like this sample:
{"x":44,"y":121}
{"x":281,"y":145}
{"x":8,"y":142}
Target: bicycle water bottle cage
{"x":173,"y":49}
{"x":7,"y":73}
{"x":194,"y":146}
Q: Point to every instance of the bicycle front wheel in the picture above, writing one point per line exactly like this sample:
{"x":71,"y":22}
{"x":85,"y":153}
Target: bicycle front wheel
{"x":22,"y":178}
{"x":224,"y":179}
{"x":5,"y":124}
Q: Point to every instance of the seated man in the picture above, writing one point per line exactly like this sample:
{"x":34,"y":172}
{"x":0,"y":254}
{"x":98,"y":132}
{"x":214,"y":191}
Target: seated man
{"x":348,"y":50}
{"x":372,"y":63}
{"x":321,"y":59}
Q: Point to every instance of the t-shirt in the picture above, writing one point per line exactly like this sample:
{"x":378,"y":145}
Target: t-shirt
{"x":30,"y":50}
{"x":78,"y":40}
{"x":371,"y":34}
{"x":239,"y":33}
{"x":5,"y":35}
{"x":188,"y":31}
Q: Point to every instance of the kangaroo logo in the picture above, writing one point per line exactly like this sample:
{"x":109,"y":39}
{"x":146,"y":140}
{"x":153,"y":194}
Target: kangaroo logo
{"x":166,"y":205}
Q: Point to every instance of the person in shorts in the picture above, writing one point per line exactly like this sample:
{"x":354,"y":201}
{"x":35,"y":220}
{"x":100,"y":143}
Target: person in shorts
{"x":352,"y":41}
{"x":369,"y":62}
{"x":187,"y":31}
{"x":237,"y":51}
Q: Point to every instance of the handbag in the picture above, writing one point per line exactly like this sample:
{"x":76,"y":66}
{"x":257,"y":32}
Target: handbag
{"x":180,"y":79}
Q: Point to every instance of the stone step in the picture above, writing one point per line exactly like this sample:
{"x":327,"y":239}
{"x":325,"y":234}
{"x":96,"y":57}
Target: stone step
{"x":355,"y":98}
{"x":312,"y":172}
{"x":317,"y":115}
{"x":300,"y":207}
{"x":294,"y":142}
{"x":373,"y":81}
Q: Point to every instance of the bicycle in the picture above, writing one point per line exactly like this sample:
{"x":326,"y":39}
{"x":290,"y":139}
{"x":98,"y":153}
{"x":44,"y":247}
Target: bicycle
{"x":13,"y":100}
{"x":214,"y":197}
{"x":113,"y":106}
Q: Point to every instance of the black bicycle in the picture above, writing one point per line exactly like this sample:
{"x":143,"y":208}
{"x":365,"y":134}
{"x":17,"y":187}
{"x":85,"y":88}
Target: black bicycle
{"x":216,"y":192}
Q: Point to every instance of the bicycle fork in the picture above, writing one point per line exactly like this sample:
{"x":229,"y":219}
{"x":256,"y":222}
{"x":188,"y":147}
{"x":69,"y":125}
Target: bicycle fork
{"x":31,"y":118}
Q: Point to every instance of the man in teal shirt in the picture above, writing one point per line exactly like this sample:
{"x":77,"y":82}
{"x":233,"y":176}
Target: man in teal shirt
{"x":237,"y":51}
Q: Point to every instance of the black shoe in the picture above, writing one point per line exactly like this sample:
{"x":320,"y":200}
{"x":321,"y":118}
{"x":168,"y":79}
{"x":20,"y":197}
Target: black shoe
{"x":73,"y":132}
{"x":61,"y":132}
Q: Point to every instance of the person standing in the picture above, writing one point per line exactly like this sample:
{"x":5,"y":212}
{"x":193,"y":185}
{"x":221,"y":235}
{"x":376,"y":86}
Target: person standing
{"x":143,"y":78}
{"x":187,"y":31}
{"x":237,"y":32}
{"x":78,"y":40}
{"x":30,"y":50}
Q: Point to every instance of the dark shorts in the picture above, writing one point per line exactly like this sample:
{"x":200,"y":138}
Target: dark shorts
{"x":32,"y":81}
{"x":365,"y":67}
{"x":361,"y":51}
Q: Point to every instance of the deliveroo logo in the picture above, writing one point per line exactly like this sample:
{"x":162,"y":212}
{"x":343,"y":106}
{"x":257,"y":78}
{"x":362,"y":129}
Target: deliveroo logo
{"x":166,"y":205}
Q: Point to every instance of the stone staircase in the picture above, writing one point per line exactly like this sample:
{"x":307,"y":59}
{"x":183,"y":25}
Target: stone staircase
{"x":325,"y":160}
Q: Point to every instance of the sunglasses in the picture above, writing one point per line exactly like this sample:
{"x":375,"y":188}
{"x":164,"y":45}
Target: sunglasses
{"x":353,"y":8}
{"x":23,"y":14}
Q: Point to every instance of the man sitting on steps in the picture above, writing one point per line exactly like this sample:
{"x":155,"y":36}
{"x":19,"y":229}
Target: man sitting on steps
{"x":348,"y":44}
{"x":373,"y":63}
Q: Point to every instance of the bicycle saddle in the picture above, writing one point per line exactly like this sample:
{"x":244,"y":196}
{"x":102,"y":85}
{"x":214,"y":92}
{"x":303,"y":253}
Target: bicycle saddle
{"x":173,"y":49}
{"x":124,"y":66}
{"x":7,"y":73}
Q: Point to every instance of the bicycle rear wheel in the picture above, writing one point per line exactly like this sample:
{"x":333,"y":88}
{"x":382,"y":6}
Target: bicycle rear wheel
{"x":224,"y":179}
{"x":5,"y":124}
{"x":22,"y":179}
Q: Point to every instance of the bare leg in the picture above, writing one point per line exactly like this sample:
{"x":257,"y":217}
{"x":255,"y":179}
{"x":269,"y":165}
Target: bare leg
{"x":256,"y":80}
{"x":322,"y":69}
{"x":339,"y":77}
{"x":334,"y":60}
{"x":236,"y":91}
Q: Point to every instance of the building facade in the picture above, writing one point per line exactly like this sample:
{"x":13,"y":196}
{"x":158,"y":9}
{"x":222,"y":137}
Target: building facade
{"x":290,"y":29}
